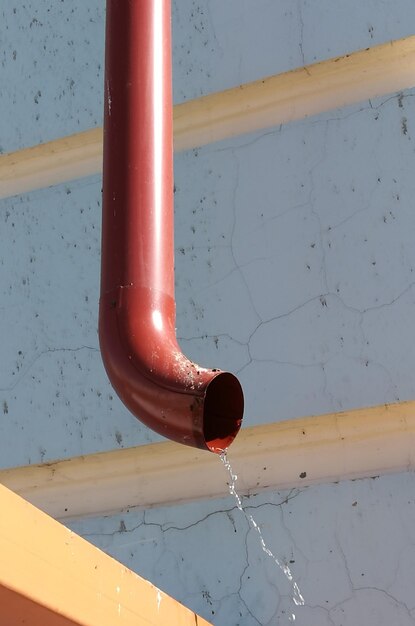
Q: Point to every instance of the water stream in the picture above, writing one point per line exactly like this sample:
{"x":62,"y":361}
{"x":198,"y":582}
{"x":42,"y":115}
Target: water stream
{"x":296,"y":593}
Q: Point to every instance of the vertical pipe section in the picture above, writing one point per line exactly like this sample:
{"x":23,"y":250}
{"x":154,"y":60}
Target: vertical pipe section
{"x":170,"y":394}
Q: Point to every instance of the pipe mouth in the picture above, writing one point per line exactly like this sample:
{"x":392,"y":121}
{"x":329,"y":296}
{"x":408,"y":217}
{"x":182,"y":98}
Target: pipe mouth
{"x":222,"y":412}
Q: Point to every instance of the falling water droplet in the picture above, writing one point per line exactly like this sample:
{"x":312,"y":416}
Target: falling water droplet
{"x":297,"y":596}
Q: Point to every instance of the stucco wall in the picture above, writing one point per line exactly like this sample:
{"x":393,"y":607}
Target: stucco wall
{"x":294,"y":268}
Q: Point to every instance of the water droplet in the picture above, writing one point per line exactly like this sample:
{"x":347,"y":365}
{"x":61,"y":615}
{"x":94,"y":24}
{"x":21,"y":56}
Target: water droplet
{"x":297,"y":596}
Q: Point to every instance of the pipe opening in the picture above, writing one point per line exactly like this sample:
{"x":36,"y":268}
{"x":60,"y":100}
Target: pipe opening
{"x":223,"y":411}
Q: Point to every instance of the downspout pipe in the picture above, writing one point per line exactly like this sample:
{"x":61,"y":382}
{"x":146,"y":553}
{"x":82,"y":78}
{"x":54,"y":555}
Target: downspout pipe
{"x":175,"y":397}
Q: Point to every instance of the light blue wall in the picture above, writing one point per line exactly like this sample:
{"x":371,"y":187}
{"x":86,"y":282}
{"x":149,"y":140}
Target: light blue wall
{"x":294,"y":267}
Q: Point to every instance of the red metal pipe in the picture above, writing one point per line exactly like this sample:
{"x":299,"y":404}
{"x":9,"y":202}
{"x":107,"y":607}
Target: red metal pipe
{"x":173,"y":396}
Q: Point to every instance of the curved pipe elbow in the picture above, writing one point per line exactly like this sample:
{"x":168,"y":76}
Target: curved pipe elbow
{"x":172,"y":395}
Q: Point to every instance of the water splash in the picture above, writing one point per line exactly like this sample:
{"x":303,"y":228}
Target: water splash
{"x":297,"y":596}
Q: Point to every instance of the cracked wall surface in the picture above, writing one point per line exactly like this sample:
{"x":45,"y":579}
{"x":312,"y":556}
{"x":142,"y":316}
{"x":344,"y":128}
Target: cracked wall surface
{"x":294,"y":268}
{"x":350,"y":547}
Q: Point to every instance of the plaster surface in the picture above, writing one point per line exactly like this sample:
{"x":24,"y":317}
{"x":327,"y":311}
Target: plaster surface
{"x":350,"y":547}
{"x":294,"y":268}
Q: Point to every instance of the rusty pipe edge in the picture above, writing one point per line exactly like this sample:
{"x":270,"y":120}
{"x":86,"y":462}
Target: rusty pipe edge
{"x":190,"y":404}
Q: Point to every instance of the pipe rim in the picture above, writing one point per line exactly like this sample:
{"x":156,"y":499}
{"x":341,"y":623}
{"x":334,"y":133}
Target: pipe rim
{"x":222,"y":411}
